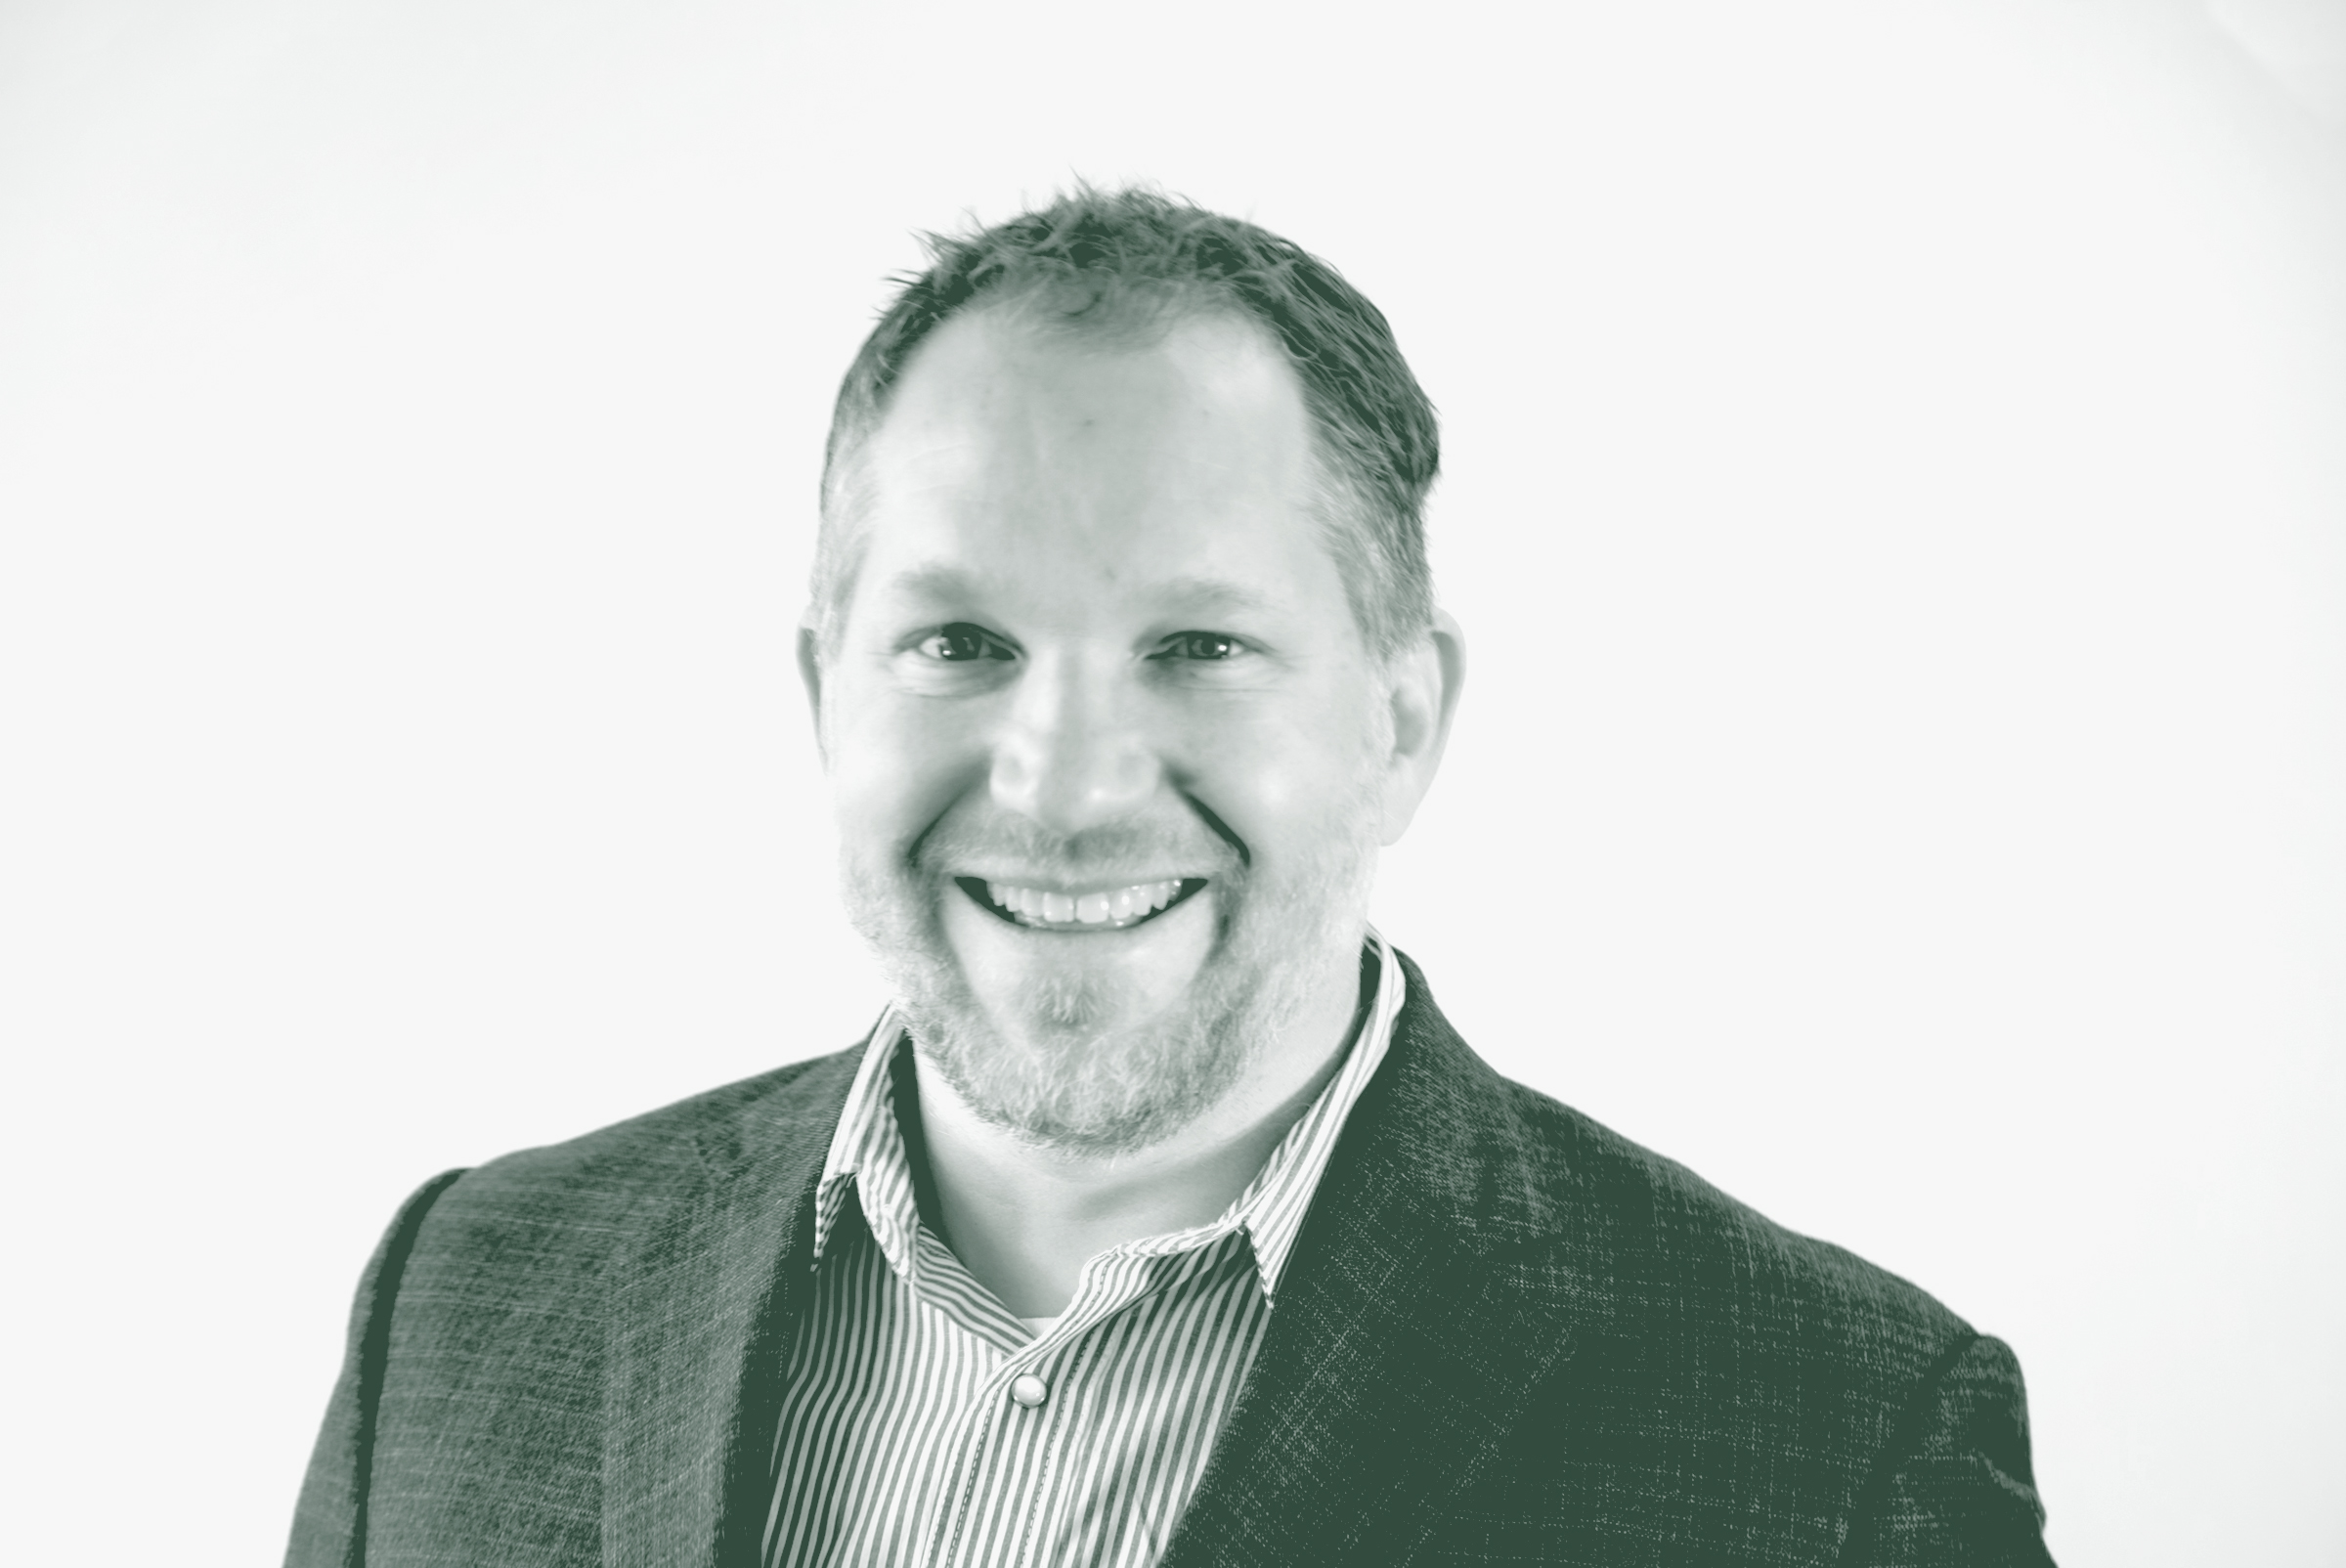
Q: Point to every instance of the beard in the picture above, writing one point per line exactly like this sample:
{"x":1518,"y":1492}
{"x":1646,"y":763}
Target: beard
{"x":1067,"y":1061}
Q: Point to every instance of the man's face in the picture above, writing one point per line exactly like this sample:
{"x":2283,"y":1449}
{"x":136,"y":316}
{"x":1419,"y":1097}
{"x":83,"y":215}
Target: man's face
{"x":1102,"y":728}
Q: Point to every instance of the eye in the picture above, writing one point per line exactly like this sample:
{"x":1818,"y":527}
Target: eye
{"x":962,"y":643}
{"x":1200,"y":646}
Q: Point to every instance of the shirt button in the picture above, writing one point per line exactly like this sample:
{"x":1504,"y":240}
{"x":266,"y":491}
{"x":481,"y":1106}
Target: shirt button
{"x":1029,"y":1390}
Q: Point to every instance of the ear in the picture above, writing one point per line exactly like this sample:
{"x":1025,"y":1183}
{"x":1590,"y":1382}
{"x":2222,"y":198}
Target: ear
{"x":811,"y":675}
{"x":1422,"y":687}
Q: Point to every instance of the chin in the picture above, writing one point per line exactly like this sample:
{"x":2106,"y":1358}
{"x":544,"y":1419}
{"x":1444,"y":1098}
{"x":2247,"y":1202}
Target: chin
{"x":1095,"y":1051}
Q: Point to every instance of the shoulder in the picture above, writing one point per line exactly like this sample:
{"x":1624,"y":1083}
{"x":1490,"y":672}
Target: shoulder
{"x":584,"y":1187}
{"x":1663,"y":1263}
{"x":1674,"y":1244}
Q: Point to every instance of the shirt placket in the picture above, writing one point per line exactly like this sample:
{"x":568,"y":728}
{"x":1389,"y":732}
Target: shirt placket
{"x":1028,"y":1417}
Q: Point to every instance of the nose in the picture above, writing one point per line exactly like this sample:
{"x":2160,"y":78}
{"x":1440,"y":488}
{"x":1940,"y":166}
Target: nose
{"x":1074,"y":751}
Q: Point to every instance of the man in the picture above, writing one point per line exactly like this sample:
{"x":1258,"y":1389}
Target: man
{"x":1162,"y":1218}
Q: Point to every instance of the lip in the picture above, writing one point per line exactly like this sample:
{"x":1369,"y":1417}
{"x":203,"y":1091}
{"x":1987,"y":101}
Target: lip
{"x":975,"y":888}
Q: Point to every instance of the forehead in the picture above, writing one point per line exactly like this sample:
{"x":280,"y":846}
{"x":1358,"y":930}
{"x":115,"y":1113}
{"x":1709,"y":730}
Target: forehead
{"x":1027,"y":449}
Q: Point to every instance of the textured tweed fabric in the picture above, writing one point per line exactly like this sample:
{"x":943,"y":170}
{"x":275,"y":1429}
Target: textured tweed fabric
{"x":1505,"y":1336}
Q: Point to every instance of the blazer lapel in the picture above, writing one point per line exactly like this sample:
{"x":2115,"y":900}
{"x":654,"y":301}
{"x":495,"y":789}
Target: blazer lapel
{"x":699,"y":1329}
{"x":1426,"y":1299}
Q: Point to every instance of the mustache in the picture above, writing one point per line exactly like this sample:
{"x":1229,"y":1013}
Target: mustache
{"x":1111,"y":849}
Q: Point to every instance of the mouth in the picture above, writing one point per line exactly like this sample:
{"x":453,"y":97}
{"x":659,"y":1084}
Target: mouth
{"x":1111,"y":908}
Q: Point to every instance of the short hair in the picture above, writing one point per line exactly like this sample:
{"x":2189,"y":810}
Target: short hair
{"x":1132,"y":261}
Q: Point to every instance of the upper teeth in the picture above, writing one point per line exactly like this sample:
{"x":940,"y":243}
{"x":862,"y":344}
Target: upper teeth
{"x":1084,"y":908}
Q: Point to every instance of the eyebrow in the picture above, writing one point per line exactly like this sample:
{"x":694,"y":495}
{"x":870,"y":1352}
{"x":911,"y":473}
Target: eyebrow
{"x":935,"y":580}
{"x":1212,"y":593}
{"x":939,"y":580}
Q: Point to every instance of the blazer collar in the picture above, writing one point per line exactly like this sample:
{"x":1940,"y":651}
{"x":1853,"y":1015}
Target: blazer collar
{"x":700,"y":1329}
{"x":1426,"y":1302}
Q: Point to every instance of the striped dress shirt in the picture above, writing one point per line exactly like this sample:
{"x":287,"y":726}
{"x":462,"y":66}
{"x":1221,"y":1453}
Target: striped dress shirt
{"x":924,"y":1424}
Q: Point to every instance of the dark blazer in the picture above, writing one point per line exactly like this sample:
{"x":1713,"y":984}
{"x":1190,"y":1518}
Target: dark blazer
{"x":1507,"y":1336}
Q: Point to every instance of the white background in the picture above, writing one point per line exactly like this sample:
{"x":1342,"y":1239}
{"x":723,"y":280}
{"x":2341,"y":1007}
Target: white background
{"x":1896,"y":458}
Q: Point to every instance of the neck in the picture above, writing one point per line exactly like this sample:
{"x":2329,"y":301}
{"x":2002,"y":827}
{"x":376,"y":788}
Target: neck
{"x":1025,"y":1219}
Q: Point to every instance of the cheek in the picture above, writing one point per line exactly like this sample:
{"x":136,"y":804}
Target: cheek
{"x":1286,"y":777}
{"x":896,"y":766}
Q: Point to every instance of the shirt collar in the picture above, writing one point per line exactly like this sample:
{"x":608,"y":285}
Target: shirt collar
{"x":867,"y":1152}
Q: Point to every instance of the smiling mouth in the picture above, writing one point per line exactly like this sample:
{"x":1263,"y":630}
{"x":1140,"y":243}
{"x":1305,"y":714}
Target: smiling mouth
{"x":1099,"y":909}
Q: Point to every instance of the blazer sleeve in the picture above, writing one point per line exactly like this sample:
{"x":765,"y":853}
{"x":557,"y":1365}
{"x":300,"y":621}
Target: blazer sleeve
{"x":1956,"y":1489}
{"x":329,"y":1522}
